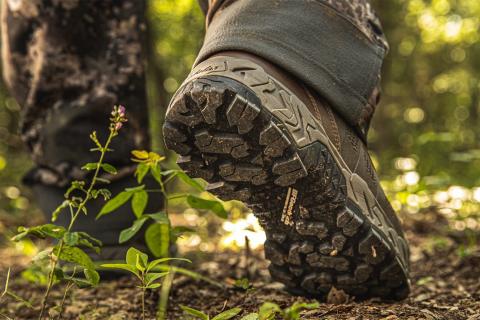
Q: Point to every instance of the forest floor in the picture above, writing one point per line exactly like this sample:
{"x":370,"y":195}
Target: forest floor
{"x":445,"y":285}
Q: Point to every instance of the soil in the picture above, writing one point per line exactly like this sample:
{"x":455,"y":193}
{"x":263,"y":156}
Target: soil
{"x":445,"y":285}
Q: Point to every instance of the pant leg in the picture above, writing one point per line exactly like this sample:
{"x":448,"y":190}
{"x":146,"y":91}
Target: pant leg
{"x":334,"y":46}
{"x":67,"y":63}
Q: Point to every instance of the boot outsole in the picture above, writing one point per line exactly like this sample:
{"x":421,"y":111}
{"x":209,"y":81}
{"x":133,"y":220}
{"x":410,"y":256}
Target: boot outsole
{"x":317,"y":237}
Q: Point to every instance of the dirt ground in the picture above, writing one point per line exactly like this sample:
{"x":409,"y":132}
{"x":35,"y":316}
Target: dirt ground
{"x":445,"y":285}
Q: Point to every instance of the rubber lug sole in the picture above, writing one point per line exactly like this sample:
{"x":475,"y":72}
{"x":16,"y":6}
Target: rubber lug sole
{"x":316,"y":237}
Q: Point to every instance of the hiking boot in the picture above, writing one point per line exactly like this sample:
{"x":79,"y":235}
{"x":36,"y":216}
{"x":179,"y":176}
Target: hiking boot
{"x":259,"y":136}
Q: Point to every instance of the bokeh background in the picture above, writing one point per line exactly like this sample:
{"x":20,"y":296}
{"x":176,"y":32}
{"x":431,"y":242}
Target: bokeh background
{"x":425,"y":135}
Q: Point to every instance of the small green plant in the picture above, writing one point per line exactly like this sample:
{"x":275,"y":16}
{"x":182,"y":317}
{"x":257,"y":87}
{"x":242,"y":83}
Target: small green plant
{"x":270,"y":310}
{"x":70,"y":245}
{"x":243,"y":284}
{"x":197,"y":314}
{"x":136,"y":262}
{"x":160,"y":235}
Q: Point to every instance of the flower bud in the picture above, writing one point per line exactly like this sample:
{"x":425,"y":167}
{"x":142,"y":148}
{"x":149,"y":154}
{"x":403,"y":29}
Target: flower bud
{"x":121,"y":111}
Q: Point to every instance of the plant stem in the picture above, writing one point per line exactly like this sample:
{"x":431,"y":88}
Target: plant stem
{"x":143,"y":303}
{"x":167,"y":282}
{"x":164,"y":294}
{"x":189,"y":273}
{"x":67,"y":288}
{"x":54,"y":261}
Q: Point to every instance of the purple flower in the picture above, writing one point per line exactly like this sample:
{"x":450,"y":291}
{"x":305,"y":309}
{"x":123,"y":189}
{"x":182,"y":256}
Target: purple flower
{"x":121,"y":111}
{"x":118,"y":126}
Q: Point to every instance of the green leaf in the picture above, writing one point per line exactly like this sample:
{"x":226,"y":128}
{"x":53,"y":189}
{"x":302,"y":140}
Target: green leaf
{"x":293,"y":312}
{"x":42,"y":232}
{"x":75,"y":185}
{"x":196,"y":313}
{"x":140,"y":265}
{"x":213,"y":205}
{"x":228,"y":314}
{"x":71,"y":238}
{"x":139,"y":203}
{"x":141,"y":172}
{"x":59,"y":209}
{"x":154,"y":286}
{"x":82,"y":239}
{"x":243,"y":284}
{"x":109,"y":168}
{"x":251,"y":316}
{"x":58,"y":273}
{"x":127,"y":234}
{"x":177,"y":232}
{"x":191,"y":182}
{"x":151,"y":277}
{"x":189,"y":273}
{"x":78,"y":256}
{"x":173,"y":196}
{"x":92,"y":276}
{"x":74,"y":255}
{"x":106,"y":181}
{"x":121,"y":266}
{"x":115,"y":203}
{"x":170,"y":172}
{"x":84,"y":235}
{"x":105,"y":193}
{"x":44,"y":254}
{"x":131,"y":257}
{"x":160,"y":217}
{"x":154,"y":263}
{"x":156,"y":173}
{"x":80,"y":283}
{"x":268,"y":310}
{"x":90,"y":166}
{"x":135,"y":189}
{"x":157,"y":238}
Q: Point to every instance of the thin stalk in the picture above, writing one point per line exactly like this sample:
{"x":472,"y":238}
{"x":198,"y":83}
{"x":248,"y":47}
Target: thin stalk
{"x":164,"y":294}
{"x":7,"y":292}
{"x":54,"y":260}
{"x":167,"y":282}
{"x":143,"y":302}
{"x":67,"y":289}
{"x":69,"y":286}
{"x":165,"y":197}
{"x":192,"y":274}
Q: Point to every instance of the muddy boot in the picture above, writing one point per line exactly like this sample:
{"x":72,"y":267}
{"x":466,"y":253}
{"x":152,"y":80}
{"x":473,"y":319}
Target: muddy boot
{"x":258,"y":135}
{"x":106,"y":229}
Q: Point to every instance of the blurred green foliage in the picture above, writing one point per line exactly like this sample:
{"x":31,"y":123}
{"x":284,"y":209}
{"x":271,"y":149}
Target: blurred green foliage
{"x":425,"y":135}
{"x":431,"y":90}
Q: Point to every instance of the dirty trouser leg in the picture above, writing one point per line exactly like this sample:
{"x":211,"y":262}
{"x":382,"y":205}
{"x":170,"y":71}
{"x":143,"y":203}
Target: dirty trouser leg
{"x":334,"y":46}
{"x":67,"y":63}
